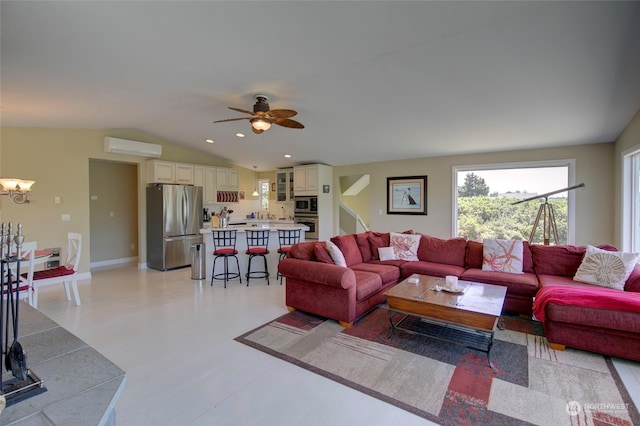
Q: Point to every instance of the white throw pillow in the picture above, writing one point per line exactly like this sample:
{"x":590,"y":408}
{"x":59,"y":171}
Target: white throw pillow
{"x":502,"y":256}
{"x":386,"y":253}
{"x":336,"y":254}
{"x":405,"y":246}
{"x":606,"y":268}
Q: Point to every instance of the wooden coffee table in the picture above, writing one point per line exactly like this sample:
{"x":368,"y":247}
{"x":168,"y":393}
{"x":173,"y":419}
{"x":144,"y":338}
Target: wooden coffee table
{"x":467,"y":319}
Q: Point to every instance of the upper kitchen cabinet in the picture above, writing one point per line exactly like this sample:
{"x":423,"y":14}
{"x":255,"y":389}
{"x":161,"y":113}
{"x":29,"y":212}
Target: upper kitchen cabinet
{"x":161,"y":172}
{"x":227,"y":179}
{"x":184,"y":174}
{"x":167,"y":172}
{"x":284,"y":186}
{"x":308,"y":180}
{"x":206,"y":178}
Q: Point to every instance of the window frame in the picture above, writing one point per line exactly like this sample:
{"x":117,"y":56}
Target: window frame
{"x":263,"y":193}
{"x":569,"y":163}
{"x":629,"y":210}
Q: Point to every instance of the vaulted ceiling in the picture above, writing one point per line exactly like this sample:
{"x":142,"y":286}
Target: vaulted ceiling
{"x":371,"y":81}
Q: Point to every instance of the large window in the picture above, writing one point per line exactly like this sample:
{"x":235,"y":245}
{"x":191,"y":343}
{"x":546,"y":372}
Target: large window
{"x":503,"y":201}
{"x":631,"y":200}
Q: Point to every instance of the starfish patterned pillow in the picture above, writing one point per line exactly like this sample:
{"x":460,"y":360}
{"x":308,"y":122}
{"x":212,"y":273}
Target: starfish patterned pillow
{"x":405,"y":246}
{"x":502,"y":256}
{"x":606,"y":268}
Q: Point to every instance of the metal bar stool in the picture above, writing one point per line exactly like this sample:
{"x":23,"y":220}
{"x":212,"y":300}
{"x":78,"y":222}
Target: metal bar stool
{"x":224,"y":246}
{"x":286,"y":238}
{"x":257,"y":245}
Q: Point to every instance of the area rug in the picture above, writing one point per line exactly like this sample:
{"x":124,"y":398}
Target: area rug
{"x":449,"y":384}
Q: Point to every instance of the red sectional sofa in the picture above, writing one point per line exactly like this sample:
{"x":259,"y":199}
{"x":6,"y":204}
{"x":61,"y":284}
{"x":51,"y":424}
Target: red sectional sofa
{"x":316,"y":285}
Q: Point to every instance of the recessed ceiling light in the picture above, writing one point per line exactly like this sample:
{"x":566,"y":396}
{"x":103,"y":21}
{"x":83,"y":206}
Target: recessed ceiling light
{"x":240,"y":135}
{"x":209,"y":140}
{"x":287,"y":156}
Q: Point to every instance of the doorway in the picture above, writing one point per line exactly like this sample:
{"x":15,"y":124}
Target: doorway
{"x":113,"y":213}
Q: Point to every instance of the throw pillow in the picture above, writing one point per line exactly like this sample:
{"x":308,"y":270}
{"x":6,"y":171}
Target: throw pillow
{"x":336,"y":254}
{"x":322,"y":255}
{"x":606,"y":268}
{"x":386,"y":253}
{"x":502,"y":256}
{"x":405,"y":246}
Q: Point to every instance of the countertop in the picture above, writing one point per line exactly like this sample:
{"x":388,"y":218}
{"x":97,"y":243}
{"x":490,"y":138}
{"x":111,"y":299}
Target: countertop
{"x":273,"y":227}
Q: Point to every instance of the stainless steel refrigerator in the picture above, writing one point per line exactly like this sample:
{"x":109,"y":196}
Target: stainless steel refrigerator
{"x":174,"y":220}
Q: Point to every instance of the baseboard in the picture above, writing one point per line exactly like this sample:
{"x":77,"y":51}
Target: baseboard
{"x":112,"y":262}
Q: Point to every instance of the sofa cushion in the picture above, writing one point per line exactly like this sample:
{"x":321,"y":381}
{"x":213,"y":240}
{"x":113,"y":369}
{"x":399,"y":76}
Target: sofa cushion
{"x":606,"y":268}
{"x":336,"y":254}
{"x":321,"y":253}
{"x":561,"y":260}
{"x":349,"y":248}
{"x":405,"y":246}
{"x":388,"y":273}
{"x":450,"y":251}
{"x":367,"y":283}
{"x":429,"y":268}
{"x":474,"y":251}
{"x":303,"y":250}
{"x":377,"y":240}
{"x":502,"y":256}
{"x":362,"y":239}
{"x":557,"y":280}
{"x":525,"y":284}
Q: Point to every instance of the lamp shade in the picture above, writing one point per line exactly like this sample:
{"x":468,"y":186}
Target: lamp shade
{"x":9,"y":184}
{"x":25,"y":185}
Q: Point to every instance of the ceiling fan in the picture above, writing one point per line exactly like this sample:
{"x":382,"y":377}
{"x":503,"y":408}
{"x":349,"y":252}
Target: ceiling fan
{"x":262,"y":117}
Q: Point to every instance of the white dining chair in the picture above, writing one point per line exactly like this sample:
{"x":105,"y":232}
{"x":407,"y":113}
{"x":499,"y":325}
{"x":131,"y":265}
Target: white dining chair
{"x":27,"y":252}
{"x":64,"y":274}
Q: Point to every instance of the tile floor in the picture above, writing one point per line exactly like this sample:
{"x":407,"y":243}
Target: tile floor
{"x":174,"y":338}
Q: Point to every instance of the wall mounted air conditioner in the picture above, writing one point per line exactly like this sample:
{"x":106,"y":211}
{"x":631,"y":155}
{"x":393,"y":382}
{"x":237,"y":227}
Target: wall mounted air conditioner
{"x":124,"y":146}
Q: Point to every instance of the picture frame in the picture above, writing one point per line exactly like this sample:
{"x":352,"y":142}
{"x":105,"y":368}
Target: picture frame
{"x":407,"y":195}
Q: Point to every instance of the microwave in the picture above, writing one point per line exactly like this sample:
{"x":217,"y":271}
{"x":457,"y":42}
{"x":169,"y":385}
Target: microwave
{"x":308,"y":205}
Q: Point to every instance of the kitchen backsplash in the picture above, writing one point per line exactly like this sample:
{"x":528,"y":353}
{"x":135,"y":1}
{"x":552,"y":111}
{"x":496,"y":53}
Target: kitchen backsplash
{"x":244,"y":208}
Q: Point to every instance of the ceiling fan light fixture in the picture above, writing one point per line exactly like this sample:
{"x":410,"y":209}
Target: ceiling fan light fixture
{"x":260,"y":124}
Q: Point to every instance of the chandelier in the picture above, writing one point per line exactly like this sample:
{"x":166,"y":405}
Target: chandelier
{"x":16,"y":189}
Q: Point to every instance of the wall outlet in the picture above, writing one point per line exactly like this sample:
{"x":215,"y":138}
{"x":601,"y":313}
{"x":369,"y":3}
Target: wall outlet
{"x":133,"y":246}
{"x":66,"y":217}
{"x":112,"y":214}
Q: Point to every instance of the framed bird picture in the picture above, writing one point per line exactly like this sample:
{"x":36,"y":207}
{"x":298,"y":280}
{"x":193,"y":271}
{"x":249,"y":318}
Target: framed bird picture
{"x":407,"y":195}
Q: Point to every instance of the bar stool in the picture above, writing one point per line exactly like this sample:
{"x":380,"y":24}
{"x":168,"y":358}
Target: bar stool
{"x":286,"y":238}
{"x":257,"y":245}
{"x":224,"y":246}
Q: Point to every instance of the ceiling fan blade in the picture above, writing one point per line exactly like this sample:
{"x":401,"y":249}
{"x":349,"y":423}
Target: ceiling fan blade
{"x":285,"y":122}
{"x":233,"y":119}
{"x":282,"y":113}
{"x":241,"y":110}
{"x":256,"y":131}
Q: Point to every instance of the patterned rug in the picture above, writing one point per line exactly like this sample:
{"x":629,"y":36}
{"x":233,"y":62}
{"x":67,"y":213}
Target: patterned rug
{"x":449,"y":384}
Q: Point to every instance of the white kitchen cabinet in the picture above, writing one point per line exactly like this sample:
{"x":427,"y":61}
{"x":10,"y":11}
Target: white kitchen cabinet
{"x":284,"y":186}
{"x":309,"y":179}
{"x":205,"y":177}
{"x":234,"y":180}
{"x":198,"y":176}
{"x":184,"y":174}
{"x":227,"y":179}
{"x":209,"y":191}
{"x":161,"y":171}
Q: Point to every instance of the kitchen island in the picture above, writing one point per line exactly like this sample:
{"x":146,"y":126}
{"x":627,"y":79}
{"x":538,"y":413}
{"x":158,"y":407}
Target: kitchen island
{"x":241,"y":246}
